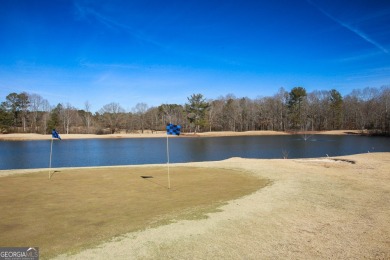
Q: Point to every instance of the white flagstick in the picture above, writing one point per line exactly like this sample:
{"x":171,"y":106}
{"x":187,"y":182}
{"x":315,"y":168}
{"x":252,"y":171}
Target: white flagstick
{"x":51,"y":150}
{"x":169,"y":180}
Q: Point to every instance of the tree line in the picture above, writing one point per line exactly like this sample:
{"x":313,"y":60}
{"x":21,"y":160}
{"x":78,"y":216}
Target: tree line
{"x":295,"y":110}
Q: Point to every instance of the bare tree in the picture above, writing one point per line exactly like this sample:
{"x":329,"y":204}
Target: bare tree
{"x":172,"y":113}
{"x":367,"y":108}
{"x":69,"y":116}
{"x":230,"y":112}
{"x":216,"y":113}
{"x":210,"y":114}
{"x":152,"y":118}
{"x":385,"y":109}
{"x":46,"y":109}
{"x":318,"y":109}
{"x":24,"y":104}
{"x":35,"y":107}
{"x":140,"y":110}
{"x":87,"y":116}
{"x":281,"y":109}
{"x":112,"y":116}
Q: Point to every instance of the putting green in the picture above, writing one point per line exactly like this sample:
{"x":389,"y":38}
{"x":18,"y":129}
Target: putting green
{"x":79,"y":208}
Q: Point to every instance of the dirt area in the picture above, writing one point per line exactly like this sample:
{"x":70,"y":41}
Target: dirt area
{"x":314,"y":209}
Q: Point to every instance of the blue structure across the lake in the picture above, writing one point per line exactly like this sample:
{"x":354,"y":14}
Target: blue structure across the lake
{"x":105,"y":152}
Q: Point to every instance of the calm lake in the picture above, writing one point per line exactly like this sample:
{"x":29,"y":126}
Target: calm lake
{"x":105,"y":152}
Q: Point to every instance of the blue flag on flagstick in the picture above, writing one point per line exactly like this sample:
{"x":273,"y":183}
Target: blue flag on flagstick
{"x":173,"y":129}
{"x":54,"y":134}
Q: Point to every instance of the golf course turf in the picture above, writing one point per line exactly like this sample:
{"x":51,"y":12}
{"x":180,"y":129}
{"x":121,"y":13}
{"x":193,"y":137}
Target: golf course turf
{"x":80,"y":208}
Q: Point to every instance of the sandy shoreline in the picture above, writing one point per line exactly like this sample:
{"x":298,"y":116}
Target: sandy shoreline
{"x":160,"y":134}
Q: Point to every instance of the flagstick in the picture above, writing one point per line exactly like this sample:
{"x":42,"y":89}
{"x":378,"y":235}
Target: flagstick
{"x":51,"y":150}
{"x":169,"y":180}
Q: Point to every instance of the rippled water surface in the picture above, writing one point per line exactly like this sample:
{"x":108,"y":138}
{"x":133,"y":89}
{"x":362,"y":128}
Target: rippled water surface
{"x":104,"y":152}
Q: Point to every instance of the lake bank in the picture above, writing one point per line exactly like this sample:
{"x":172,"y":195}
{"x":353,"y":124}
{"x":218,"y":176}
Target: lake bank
{"x":160,"y":134}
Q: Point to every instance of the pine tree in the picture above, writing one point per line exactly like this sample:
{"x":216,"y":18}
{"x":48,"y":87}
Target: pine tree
{"x":295,"y":102}
{"x":196,"y":109}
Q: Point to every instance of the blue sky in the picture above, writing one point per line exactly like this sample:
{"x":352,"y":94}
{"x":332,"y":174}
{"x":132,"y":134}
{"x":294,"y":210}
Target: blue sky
{"x":163,"y":51}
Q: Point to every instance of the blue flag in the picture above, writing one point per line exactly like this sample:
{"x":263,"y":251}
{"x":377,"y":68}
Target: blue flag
{"x":54,"y":134}
{"x":173,"y":129}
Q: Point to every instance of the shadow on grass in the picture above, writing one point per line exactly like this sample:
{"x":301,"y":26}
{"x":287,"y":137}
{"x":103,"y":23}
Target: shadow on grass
{"x":51,"y":174}
{"x":149,"y":179}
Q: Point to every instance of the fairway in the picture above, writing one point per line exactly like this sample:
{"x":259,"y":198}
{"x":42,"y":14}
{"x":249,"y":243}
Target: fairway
{"x":80,"y":208}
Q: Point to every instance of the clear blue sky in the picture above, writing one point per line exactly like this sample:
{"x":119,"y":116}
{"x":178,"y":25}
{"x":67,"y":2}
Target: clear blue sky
{"x":163,"y":51}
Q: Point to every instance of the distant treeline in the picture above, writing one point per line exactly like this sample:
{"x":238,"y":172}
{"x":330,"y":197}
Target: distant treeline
{"x":297,"y":110}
